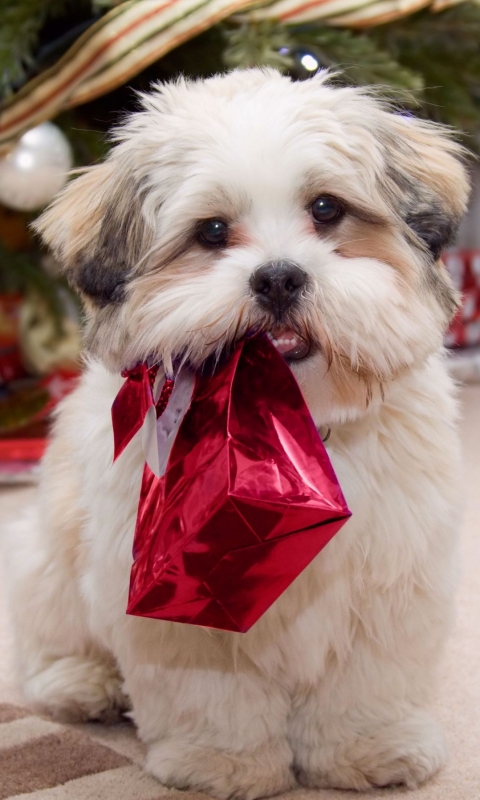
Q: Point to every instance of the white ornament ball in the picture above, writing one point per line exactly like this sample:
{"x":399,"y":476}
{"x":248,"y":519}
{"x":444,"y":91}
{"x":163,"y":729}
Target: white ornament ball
{"x":36,"y":169}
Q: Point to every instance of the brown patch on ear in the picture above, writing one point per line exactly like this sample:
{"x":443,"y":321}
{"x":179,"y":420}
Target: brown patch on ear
{"x":71,"y":223}
{"x":425,"y":181}
{"x":433,"y":224}
{"x":427,"y":187}
{"x":97,"y":231}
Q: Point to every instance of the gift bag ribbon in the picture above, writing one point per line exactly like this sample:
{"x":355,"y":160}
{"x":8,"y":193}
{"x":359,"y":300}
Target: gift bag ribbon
{"x":134,"y":401}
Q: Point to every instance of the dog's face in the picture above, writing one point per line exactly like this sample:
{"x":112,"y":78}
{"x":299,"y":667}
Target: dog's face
{"x":250,"y":203}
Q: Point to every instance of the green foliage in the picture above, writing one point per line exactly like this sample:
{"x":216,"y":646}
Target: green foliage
{"x":88,"y":144}
{"x":22,"y":273}
{"x":445,"y":49}
{"x":105,"y":5}
{"x":257,"y":44}
{"x":20,"y":24}
{"x":362,"y":61}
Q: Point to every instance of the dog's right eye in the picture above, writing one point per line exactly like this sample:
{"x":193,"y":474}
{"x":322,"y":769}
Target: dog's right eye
{"x":327,"y":209}
{"x":213,"y":233}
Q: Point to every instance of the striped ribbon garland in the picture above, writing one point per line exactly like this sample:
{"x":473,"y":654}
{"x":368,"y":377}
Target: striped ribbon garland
{"x":137,"y":33}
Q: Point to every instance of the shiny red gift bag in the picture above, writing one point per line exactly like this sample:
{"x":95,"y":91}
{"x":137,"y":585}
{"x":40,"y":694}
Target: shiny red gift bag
{"x":248,"y":499}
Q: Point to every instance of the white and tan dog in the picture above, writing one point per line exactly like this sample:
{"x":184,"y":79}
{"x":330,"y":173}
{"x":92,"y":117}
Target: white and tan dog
{"x":248,"y":202}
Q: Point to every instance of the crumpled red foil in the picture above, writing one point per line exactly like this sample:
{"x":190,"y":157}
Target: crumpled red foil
{"x":248,"y":499}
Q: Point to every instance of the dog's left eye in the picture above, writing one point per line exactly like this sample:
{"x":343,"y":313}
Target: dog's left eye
{"x":326,"y":209}
{"x":213,"y":233}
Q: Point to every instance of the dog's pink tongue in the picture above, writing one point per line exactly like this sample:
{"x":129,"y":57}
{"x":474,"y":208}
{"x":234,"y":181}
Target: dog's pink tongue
{"x":286,"y":341}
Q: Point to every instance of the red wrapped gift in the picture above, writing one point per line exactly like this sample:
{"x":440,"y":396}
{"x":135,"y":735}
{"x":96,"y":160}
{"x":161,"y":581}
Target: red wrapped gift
{"x":464,"y":268}
{"x":248,"y":498}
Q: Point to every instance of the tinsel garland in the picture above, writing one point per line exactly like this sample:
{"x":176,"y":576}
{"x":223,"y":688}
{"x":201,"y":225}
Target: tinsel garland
{"x":137,"y":33}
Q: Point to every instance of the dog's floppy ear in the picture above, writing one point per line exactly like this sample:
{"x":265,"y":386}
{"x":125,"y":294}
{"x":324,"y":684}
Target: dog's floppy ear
{"x":96,"y":230}
{"x":427,"y":185}
{"x":425,"y":179}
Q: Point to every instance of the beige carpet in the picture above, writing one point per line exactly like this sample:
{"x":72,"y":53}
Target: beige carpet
{"x":117,"y":776}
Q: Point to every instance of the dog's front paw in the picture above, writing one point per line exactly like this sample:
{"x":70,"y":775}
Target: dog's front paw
{"x":77,"y":689}
{"x":408,"y":752}
{"x":243,"y":776}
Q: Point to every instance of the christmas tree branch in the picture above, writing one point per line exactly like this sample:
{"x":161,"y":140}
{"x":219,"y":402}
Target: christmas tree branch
{"x":21,"y":23}
{"x":23,"y":274}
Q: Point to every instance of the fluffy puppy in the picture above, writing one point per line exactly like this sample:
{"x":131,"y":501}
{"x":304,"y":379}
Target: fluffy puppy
{"x":248,"y":202}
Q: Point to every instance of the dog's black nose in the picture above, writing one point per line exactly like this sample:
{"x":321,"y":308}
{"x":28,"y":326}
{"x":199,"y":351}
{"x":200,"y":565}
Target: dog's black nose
{"x":278,"y":284}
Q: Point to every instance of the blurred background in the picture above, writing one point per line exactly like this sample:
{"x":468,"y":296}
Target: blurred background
{"x":69,"y":70}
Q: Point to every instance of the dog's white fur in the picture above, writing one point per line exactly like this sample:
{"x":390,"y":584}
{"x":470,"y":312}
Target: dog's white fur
{"x":330,"y":687}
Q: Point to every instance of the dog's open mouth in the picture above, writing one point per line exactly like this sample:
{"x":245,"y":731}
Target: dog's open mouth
{"x":289,"y":343}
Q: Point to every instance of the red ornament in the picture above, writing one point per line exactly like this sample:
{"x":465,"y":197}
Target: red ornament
{"x":248,"y":498}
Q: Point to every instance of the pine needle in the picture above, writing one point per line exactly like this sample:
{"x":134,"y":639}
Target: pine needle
{"x":20,"y":24}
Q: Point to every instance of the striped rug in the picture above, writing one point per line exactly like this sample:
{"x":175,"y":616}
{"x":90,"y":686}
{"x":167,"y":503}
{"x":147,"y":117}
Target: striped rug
{"x":43,"y":760}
